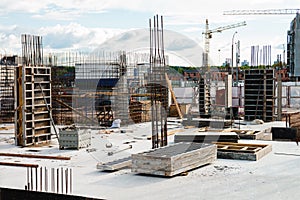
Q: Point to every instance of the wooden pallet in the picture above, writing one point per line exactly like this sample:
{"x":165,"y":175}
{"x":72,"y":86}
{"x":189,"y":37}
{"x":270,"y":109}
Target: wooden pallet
{"x":174,"y":159}
{"x":239,"y":151}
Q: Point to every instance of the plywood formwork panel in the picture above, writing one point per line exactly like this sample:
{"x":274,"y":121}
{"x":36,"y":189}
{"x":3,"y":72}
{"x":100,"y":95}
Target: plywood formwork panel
{"x":33,"y":103}
{"x":239,"y":151}
{"x":174,"y":159}
{"x":259,"y":94}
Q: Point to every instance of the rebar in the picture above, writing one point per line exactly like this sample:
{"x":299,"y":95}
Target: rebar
{"x":157,"y":84}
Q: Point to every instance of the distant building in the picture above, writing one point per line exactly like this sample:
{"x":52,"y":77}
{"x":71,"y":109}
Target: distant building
{"x":191,"y":74}
{"x":245,"y":63}
{"x":293,"y":47}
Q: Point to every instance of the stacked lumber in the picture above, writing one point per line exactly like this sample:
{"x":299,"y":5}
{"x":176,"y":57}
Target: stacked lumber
{"x":140,"y":111}
{"x":206,"y":137}
{"x":174,"y":159}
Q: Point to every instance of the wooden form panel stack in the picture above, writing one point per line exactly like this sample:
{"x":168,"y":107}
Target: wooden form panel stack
{"x":174,"y":159}
{"x":259,"y":94}
{"x":240,"y":151}
{"x":33,"y":103}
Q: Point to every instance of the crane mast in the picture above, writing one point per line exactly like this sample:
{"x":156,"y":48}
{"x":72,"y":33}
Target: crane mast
{"x":206,"y":84}
{"x":208,"y":36}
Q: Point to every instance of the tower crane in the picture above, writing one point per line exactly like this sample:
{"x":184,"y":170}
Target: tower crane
{"x":262,"y":12}
{"x":208,"y":36}
{"x":265,"y":12}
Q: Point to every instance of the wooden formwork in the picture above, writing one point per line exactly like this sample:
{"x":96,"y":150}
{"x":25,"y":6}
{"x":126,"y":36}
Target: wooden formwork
{"x":259,"y":94}
{"x":33,"y":103}
{"x":174,"y":159}
{"x":206,"y":137}
{"x":248,"y":134}
{"x":241,"y":151}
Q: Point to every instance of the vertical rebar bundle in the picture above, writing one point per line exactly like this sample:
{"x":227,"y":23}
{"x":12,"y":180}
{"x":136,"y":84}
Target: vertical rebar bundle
{"x":32,"y":51}
{"x":53,"y":180}
{"x":157,"y":84}
{"x":261,"y":56}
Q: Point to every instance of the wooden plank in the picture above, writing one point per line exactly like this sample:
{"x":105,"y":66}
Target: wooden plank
{"x":171,"y":132}
{"x":18,"y":164}
{"x":35,"y":156}
{"x":6,"y":128}
{"x":173,"y":96}
{"x":115,"y":165}
{"x":240,"y":144}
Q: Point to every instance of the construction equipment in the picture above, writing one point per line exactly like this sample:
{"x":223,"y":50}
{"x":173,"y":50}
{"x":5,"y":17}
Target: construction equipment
{"x":208,"y":35}
{"x":206,"y":83}
{"x":262,"y":12}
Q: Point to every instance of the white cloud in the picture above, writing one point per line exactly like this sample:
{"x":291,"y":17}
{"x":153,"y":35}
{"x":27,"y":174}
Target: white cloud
{"x":71,"y":37}
{"x":191,"y":13}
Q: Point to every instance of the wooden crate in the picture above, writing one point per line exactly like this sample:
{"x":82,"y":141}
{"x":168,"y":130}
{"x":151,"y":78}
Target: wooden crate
{"x":239,"y":151}
{"x":174,"y":159}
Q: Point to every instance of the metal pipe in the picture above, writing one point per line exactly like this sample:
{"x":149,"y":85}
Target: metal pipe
{"x":31,"y":179}
{"x":27,"y":178}
{"x":41,"y":179}
{"x":36,"y":179}
{"x":46,"y":179}
{"x":57,"y":179}
{"x":71,"y":181}
{"x":66,"y":174}
{"x":232,"y":51}
{"x":62,"y":180}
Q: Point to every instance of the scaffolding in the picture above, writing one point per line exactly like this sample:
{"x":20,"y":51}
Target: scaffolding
{"x":101,"y":87}
{"x":7,"y":67}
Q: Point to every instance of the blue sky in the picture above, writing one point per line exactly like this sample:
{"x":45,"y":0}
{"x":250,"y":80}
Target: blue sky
{"x":83,"y":25}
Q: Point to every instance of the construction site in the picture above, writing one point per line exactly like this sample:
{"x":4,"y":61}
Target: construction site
{"x":127,"y":125}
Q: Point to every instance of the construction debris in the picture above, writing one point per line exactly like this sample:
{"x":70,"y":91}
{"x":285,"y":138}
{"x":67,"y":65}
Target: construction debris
{"x":114,"y":152}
